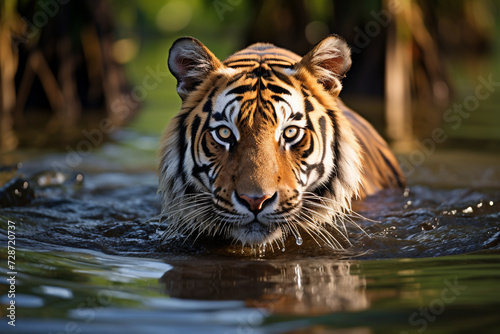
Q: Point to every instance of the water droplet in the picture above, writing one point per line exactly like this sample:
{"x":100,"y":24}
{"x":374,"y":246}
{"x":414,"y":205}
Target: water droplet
{"x":491,"y":203}
{"x":468,"y":210}
{"x":299,"y":241}
{"x":283,"y":249}
{"x":480,"y":205}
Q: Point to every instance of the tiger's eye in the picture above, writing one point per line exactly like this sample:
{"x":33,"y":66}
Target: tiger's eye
{"x":224,"y":132}
{"x":290,"y":132}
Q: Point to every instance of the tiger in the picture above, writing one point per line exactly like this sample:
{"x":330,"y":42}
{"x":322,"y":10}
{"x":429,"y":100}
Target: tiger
{"x":263,"y":148}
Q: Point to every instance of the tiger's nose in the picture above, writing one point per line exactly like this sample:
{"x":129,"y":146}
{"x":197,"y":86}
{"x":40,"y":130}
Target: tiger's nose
{"x":256,"y":203}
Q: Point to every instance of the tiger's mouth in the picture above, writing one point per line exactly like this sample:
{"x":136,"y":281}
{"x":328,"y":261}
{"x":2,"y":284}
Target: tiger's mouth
{"x":256,"y":232}
{"x":265,"y":225}
{"x":199,"y":215}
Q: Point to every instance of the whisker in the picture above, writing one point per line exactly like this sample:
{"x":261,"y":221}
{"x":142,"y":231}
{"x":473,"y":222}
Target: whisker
{"x":323,"y":230}
{"x":343,"y":216}
{"x":324,"y":234}
{"x":308,"y":231}
{"x":325,"y":220}
{"x":349,"y":211}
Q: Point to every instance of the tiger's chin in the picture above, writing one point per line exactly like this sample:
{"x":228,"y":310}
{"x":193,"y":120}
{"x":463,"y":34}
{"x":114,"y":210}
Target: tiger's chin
{"x":256,"y":234}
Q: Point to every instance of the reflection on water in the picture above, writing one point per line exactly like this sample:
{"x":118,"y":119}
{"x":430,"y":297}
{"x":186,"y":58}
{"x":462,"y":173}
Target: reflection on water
{"x":95,"y":293}
{"x":304,"y":287}
{"x":89,"y":259}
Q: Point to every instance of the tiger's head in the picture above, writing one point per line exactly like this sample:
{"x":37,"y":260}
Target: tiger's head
{"x":259,"y":150}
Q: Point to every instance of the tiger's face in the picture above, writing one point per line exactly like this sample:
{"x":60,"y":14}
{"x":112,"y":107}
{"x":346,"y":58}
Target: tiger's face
{"x":259,"y":150}
{"x":262,"y":153}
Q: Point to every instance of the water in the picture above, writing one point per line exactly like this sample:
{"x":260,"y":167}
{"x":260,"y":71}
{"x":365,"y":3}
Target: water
{"x":88,"y":257}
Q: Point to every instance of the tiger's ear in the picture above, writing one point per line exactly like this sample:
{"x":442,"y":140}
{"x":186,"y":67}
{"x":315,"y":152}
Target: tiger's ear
{"x":190,"y":62}
{"x":328,"y":61}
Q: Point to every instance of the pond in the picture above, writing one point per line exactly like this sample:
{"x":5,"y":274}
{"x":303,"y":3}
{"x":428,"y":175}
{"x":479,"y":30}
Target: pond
{"x":89,"y":256}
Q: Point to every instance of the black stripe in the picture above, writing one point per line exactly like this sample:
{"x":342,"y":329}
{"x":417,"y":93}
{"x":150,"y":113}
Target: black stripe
{"x":190,"y":189}
{"x":289,"y":61}
{"x":223,"y":200}
{"x":261,"y":72}
{"x":320,"y":166}
{"x":242,"y":89}
{"x":322,"y":125}
{"x":235,"y":78}
{"x":278,"y":89}
{"x":246,"y":105}
{"x":286,"y":65}
{"x":194,"y":130}
{"x":310,"y":150}
{"x":308,"y":107}
{"x":274,"y":115}
{"x":393,"y":169}
{"x":219,"y":116}
{"x":207,"y":107}
{"x":204,"y":146}
{"x":253,"y":61}
{"x":278,"y":98}
{"x":182,"y":145}
{"x":277,"y":56}
{"x":309,"y":124}
{"x":283,"y":78}
{"x":297,"y":176}
{"x":216,"y":170}
{"x":324,"y":190}
{"x":239,"y":64}
{"x":335,"y":144}
{"x":198,"y":170}
{"x":237,"y":98}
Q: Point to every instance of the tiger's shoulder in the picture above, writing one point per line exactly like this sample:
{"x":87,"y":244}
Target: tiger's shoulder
{"x":380,"y":168}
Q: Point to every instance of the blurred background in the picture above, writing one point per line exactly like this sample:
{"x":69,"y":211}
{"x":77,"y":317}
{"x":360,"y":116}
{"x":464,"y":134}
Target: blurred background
{"x":85,"y":94}
{"x":424,"y":72}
